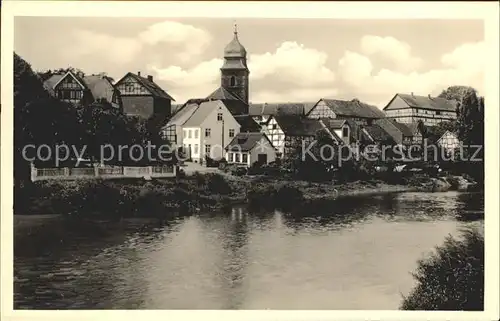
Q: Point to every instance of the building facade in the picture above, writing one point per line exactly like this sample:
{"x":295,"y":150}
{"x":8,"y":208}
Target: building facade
{"x":412,"y":108}
{"x":449,"y":141}
{"x":247,"y":148}
{"x":77,"y":88}
{"x":354,"y":110}
{"x":142,"y":97}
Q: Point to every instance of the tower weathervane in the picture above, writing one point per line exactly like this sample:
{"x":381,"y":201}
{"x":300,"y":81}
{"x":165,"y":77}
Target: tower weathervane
{"x":235,"y":28}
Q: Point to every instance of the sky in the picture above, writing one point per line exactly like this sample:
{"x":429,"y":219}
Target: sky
{"x":290,"y":60}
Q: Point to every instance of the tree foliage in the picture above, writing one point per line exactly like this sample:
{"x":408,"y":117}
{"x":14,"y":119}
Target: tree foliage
{"x":452,"y":278}
{"x":41,"y":119}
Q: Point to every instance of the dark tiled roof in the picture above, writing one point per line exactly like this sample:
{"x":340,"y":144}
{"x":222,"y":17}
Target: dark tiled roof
{"x":101,"y":87}
{"x":378,"y":133}
{"x":273,"y":109}
{"x":426,"y":102}
{"x":247,"y":123}
{"x":236,"y":107}
{"x":151,"y":86}
{"x":220,"y":94}
{"x":298,"y":126}
{"x":403,"y":128}
{"x":353,"y":108}
{"x":334,"y":123}
{"x":50,"y":82}
{"x":246,"y":141}
{"x":391,"y":129}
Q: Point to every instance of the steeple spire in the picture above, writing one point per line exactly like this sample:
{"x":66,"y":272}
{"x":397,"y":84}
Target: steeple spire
{"x":235,"y":28}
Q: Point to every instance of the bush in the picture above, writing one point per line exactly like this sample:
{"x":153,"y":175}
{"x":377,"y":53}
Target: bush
{"x":287,"y":197}
{"x":217,"y":184}
{"x":261,"y":196}
{"x":452,"y":278}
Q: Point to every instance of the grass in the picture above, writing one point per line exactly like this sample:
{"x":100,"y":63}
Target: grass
{"x":452,"y":278}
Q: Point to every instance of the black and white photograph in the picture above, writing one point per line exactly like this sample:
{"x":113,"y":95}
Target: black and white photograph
{"x":238,"y":162}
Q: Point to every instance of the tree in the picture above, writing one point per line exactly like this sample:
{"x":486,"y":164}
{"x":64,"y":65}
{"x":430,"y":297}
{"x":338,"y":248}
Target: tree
{"x":38,"y":117}
{"x":315,"y":161}
{"x":456,"y":92}
{"x":452,"y":278}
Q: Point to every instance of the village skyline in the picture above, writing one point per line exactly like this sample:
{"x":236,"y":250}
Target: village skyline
{"x":369,"y":60}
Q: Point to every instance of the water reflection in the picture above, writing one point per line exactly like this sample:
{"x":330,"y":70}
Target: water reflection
{"x":354,"y":253}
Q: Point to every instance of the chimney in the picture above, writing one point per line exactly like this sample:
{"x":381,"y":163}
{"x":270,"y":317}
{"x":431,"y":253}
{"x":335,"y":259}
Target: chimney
{"x":139,"y":73}
{"x":429,"y":95}
{"x":150,"y":78}
{"x":412,"y":94}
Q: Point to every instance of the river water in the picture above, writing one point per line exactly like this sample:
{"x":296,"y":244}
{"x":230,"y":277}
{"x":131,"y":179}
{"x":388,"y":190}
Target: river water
{"x":357,"y":254}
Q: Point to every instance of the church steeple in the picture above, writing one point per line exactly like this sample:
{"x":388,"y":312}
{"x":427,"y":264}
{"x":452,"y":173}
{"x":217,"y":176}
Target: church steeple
{"x":234,"y":71}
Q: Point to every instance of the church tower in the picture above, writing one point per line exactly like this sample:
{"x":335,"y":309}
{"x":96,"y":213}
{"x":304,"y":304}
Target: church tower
{"x":234,"y":71}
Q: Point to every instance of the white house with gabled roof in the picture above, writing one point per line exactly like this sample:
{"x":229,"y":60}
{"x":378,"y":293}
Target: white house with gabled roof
{"x":203,"y":129}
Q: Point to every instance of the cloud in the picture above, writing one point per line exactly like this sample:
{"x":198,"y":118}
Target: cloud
{"x":117,"y":49}
{"x":394,"y":50}
{"x":291,"y":72}
{"x":461,"y":66}
{"x":192,"y":40}
{"x":292,"y":61}
{"x":185,"y":39}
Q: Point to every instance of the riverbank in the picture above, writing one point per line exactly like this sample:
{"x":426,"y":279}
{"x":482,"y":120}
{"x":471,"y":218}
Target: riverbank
{"x":168,"y":198}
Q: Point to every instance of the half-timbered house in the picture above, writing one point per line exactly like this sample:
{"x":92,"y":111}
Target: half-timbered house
{"x":412,"y":108}
{"x":143,"y":97}
{"x":342,"y":109}
{"x":77,"y":88}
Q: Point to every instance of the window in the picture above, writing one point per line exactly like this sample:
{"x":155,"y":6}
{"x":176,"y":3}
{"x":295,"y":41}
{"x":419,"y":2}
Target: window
{"x":275,"y":126}
{"x":236,"y":157}
{"x":189,"y":133}
{"x":232,"y":81}
{"x":196,"y":133}
{"x":230,"y":157}
{"x":244,"y":158}
{"x":207,"y":149}
{"x":219,"y":116}
{"x":207,"y":132}
{"x":345,"y":131}
{"x":231,"y":133}
{"x":195,"y":149}
{"x":438,"y":112}
{"x":184,"y":132}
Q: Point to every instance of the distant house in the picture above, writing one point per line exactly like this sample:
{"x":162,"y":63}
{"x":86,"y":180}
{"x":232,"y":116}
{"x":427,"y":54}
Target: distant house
{"x":202,"y":129}
{"x":410,"y":133}
{"x":411,"y":108}
{"x":342,"y":109}
{"x":449,"y":141}
{"x":376,"y":135}
{"x":75,"y":87}
{"x":341,"y":128}
{"x":248,"y":148}
{"x":288,"y":132}
{"x":262,"y":112}
{"x":143,"y":97}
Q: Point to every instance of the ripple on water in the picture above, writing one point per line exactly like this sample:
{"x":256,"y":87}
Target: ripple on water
{"x":335,"y":259}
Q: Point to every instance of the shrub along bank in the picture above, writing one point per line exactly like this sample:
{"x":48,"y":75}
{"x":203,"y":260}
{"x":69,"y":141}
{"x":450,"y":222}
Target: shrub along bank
{"x":452,"y":278}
